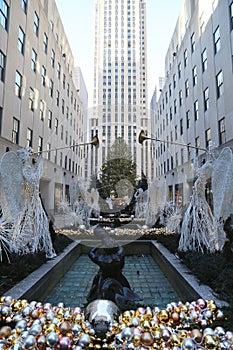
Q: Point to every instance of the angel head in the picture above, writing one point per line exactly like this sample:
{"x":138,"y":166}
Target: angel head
{"x":24,"y":153}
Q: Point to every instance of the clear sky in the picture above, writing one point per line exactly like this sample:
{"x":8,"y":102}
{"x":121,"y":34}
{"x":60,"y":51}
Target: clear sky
{"x":77,"y":18}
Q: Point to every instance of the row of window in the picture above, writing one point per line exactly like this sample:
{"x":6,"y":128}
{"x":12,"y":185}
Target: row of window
{"x":29,"y":141}
{"x":170,"y":163}
{"x":206,"y":100}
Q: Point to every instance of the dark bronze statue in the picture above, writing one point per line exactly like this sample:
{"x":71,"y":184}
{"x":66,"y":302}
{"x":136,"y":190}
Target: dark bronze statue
{"x":110,"y":283}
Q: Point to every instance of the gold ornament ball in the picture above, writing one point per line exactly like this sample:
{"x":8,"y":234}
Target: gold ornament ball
{"x":163,"y":316}
{"x":196,"y":334}
{"x":175,"y":316}
{"x":5,"y":332}
{"x":64,"y":327}
{"x":136,"y":339}
{"x":210,"y":342}
{"x":147,"y":339}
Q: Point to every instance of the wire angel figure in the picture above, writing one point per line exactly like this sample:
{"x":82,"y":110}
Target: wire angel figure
{"x":156,"y":201}
{"x":222,"y":185}
{"x":20,"y":193}
{"x":200,"y":230}
{"x":34,"y":220}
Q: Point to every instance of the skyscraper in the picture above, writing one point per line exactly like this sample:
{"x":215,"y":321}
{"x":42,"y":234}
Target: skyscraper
{"x":120,"y":79}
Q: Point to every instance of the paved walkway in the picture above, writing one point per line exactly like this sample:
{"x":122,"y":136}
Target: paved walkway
{"x":143,"y":274}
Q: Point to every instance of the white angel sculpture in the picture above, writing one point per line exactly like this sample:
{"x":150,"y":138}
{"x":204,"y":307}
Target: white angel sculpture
{"x":20,"y":181}
{"x":200,"y":229}
{"x":156,"y":201}
{"x":222,"y":185}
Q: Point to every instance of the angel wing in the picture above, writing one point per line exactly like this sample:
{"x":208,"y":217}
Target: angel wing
{"x":156,"y":200}
{"x":12,"y":184}
{"x":222,"y":184}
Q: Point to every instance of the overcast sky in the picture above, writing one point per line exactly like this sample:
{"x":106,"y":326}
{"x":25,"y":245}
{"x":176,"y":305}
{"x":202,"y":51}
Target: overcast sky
{"x":77,"y":18}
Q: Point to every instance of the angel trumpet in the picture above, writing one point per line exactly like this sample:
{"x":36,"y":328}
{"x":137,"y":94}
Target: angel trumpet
{"x":142,"y":137}
{"x":95,"y":142}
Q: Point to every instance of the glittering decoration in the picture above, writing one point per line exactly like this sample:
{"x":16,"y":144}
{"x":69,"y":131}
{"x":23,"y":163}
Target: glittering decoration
{"x":83,"y":203}
{"x":7,"y":244}
{"x":179,"y":326}
{"x":222,"y":184}
{"x":117,"y":232}
{"x":200,"y":229}
{"x":28,"y":221}
{"x":173,"y":216}
{"x":141,"y":200}
{"x":12,"y":184}
{"x":34,"y":223}
{"x":156,"y":201}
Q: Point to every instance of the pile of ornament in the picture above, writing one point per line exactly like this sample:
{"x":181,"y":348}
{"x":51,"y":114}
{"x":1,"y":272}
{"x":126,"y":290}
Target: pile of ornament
{"x":34,"y":325}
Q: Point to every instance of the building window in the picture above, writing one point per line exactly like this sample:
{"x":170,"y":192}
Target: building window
{"x":15,"y":131}
{"x":21,"y":40}
{"x":42,"y":109}
{"x":175,"y":106}
{"x":185,"y":58}
{"x":58,"y":71}
{"x":40,"y":145}
{"x":188,"y":119}
{"x":57,"y":98}
{"x":170,"y":90}
{"x":174,"y":81}
{"x":193,"y":42}
{"x":222,"y":131}
{"x":196,"y":113}
{"x":197,"y":144}
{"x":56,"y":126}
{"x":18,"y":84}
{"x":45,"y":43}
{"x":43,"y":75}
{"x":31,"y":99}
{"x":182,"y":156}
{"x":29,"y":138}
{"x":206,"y":99}
{"x":219,"y":84}
{"x":231,"y":15}
{"x":176,"y":135}
{"x":179,"y":70}
{"x":62,"y":132}
{"x":52,"y":58}
{"x":33,"y":61}
{"x":36,"y":24}
{"x":181,"y":127}
{"x":180,"y":97}
{"x":194,"y":74}
{"x":64,"y":81}
{"x":217,"y":43}
{"x":48,"y":149}
{"x":204,"y":60}
{"x":2,"y":66}
{"x":4,"y":11}
{"x":51,"y":88}
{"x":23,"y":4}
{"x":186,"y":88}
{"x":208,"y":138}
{"x":50,"y":119}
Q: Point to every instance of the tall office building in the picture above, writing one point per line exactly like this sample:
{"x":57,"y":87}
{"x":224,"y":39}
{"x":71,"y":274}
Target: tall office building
{"x":195,"y":107}
{"x":120,"y":79}
{"x":39,"y":103}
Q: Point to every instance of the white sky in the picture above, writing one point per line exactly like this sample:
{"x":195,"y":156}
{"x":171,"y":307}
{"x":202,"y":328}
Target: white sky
{"x":77,"y":18}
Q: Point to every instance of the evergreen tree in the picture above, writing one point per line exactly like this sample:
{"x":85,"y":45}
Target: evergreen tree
{"x":118,"y":173}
